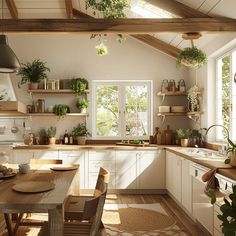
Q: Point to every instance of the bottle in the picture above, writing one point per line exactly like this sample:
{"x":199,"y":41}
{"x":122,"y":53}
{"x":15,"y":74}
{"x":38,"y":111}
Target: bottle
{"x":70,"y":139}
{"x":66,"y":137}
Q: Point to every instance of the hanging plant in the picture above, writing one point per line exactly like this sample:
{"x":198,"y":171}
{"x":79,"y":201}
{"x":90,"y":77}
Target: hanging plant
{"x":101,"y":49}
{"x":193,"y":99}
{"x":192,"y":57}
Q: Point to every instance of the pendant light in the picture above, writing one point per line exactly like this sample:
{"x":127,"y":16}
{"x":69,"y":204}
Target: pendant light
{"x":9,"y":62}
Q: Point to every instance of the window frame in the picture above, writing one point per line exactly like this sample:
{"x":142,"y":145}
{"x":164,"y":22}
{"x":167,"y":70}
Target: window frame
{"x":121,"y":98}
{"x":228,"y":53}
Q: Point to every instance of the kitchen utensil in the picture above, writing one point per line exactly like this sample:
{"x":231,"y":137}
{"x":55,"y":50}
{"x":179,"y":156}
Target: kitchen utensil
{"x":159,"y":137}
{"x":24,"y":168}
{"x":8,"y":175}
{"x":14,"y":128}
{"x":172,"y":86}
{"x":168,"y":135}
{"x":181,"y":85}
{"x":64,"y":168}
{"x":164,"y":86}
{"x":41,"y":106}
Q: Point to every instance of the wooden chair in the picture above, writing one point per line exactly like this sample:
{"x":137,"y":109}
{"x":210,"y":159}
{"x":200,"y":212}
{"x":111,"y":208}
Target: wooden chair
{"x":75,"y":204}
{"x":20,"y":220}
{"x":88,"y":221}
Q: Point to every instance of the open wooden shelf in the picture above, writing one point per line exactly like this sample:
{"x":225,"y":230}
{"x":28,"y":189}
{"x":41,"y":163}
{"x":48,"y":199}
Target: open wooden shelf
{"x":52,"y":114}
{"x":179,"y":113}
{"x":172,"y":93}
{"x":56,"y":91}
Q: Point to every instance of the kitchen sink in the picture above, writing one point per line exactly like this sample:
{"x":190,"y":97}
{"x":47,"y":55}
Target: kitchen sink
{"x":203,"y":153}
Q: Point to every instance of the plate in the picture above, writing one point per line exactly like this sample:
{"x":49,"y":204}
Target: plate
{"x":8,"y":176}
{"x":33,"y":187}
{"x":64,"y":168}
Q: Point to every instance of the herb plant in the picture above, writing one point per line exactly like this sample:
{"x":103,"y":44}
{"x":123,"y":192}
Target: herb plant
{"x":193,"y":98}
{"x":81,"y":104}
{"x":80,"y":130}
{"x":33,"y":72}
{"x":79,"y":85}
{"x":51,"y":132}
{"x":184,"y":134}
{"x":61,"y":110}
{"x":192,"y":57}
{"x":230,"y":149}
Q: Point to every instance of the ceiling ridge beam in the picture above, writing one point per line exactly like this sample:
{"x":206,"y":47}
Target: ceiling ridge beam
{"x":115,"y":26}
{"x":178,"y":8}
{"x":69,"y":8}
{"x":12,"y":8}
{"x":80,"y":14}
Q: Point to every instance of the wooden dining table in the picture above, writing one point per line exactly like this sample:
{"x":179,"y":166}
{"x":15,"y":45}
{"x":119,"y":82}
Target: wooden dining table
{"x":51,"y":202}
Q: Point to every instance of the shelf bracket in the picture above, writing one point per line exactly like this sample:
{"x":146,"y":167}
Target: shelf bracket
{"x":163,"y":117}
{"x":163,"y":98}
{"x":195,"y":118}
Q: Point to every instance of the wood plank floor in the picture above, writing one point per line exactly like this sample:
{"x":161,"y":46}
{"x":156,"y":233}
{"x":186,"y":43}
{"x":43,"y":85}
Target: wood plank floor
{"x":182,"y":219}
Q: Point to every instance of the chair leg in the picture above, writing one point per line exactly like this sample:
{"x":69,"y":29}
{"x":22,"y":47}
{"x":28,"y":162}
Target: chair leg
{"x":18,"y":221}
{"x":9,"y":224}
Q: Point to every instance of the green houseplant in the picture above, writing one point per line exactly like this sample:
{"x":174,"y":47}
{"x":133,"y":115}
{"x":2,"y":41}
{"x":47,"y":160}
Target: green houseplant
{"x":42,"y":136}
{"x":193,"y":101}
{"x":82,"y":105}
{"x":33,"y":73}
{"x":184,"y":136}
{"x":231,"y":151}
{"x":51,"y":133}
{"x":191,"y":57}
{"x":61,"y":110}
{"x":80,"y":132}
{"x":79,"y":85}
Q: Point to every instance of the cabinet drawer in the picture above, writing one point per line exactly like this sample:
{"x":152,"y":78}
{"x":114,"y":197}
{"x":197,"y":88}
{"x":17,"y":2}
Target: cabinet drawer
{"x":96,"y":164}
{"x":93,"y":180}
{"x":101,"y":155}
{"x":63,"y":154}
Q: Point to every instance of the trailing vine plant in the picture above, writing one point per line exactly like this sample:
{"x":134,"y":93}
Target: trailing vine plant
{"x":110,"y":9}
{"x":193,"y":98}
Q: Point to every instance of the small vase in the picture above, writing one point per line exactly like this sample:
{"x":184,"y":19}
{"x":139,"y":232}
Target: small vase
{"x":52,"y":141}
{"x":232,"y":158}
{"x":81,"y":140}
{"x":33,"y":86}
{"x":184,"y":142}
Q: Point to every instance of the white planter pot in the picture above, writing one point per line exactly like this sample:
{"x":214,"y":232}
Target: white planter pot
{"x":52,"y":141}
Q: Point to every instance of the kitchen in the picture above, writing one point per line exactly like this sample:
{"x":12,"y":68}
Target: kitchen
{"x":125,"y":96}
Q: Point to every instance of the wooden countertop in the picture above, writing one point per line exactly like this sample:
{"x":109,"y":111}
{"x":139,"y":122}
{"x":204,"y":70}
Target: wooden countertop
{"x":223,"y":169}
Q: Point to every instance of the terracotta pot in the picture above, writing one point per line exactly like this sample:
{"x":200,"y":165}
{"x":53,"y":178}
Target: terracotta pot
{"x":183,"y":142}
{"x":33,"y":86}
{"x":81,"y":140}
{"x":232,"y":158}
{"x":52,"y":141}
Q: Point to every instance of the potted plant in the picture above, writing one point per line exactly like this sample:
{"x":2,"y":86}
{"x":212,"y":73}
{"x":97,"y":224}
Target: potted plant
{"x":51,"y":132}
{"x":101,"y":49}
{"x":42,"y":136}
{"x":191,"y":57}
{"x":227,"y":215}
{"x":80,"y":132}
{"x":193,"y":101}
{"x":82,"y":105}
{"x":79,"y":85}
{"x":33,"y":73}
{"x":61,"y":110}
{"x":231,"y":151}
{"x":184,"y":136}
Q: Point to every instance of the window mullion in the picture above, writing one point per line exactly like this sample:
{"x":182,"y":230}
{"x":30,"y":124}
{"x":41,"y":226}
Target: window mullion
{"x":122,"y":109}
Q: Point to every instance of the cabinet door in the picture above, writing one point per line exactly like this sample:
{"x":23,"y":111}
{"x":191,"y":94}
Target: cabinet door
{"x":169,"y":171}
{"x":151,"y":169}
{"x":22,"y":156}
{"x":126,"y":169}
{"x":75,"y":157}
{"x":186,"y":185}
{"x":53,"y":155}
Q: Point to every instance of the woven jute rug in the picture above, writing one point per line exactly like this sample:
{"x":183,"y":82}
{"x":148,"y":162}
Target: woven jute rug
{"x":139,"y":219}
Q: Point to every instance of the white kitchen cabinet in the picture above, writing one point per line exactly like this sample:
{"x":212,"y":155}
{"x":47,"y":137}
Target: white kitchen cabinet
{"x":174,"y":175}
{"x":97,"y":159}
{"x":126,"y":169}
{"x":22,"y":156}
{"x":75,"y":157}
{"x":41,"y":154}
{"x":186,"y":198}
{"x":151,"y":169}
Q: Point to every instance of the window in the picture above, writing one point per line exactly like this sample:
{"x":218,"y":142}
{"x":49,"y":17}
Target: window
{"x":226,"y":94}
{"x":122,"y":110}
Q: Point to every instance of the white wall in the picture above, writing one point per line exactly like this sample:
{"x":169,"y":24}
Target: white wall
{"x":72,"y":55}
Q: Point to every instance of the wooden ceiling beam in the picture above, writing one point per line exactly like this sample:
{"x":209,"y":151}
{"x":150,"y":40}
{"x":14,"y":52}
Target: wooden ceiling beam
{"x":69,"y":8}
{"x":158,"y":44}
{"x":126,"y":26}
{"x":177,"y":8}
{"x":80,"y":14}
{"x":12,"y":8}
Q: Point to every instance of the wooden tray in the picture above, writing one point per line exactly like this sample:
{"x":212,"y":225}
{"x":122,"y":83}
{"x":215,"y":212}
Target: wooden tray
{"x":64,"y":168}
{"x":133,"y":144}
{"x":8,"y":176}
{"x":33,"y":187}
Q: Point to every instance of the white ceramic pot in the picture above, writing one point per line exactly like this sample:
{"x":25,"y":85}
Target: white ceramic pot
{"x":52,"y":141}
{"x":184,"y":142}
{"x":81,"y":140}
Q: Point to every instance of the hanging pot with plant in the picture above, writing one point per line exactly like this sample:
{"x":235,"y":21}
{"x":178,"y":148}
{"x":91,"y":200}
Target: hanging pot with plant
{"x":79,"y":85}
{"x":82,"y":105}
{"x":191,"y":56}
{"x":193,"y":100}
{"x":61,"y":110}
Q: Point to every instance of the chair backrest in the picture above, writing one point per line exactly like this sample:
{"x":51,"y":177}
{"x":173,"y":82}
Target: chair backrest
{"x":102,"y":180}
{"x":45,"y":161}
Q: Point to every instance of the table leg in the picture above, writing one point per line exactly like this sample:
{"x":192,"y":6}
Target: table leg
{"x":56,"y":221}
{"x":9,"y":224}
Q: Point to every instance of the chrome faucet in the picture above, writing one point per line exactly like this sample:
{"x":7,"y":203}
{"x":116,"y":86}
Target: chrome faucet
{"x":227,"y":131}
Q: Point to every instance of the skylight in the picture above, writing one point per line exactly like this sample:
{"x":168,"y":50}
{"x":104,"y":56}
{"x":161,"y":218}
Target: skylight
{"x":147,"y":10}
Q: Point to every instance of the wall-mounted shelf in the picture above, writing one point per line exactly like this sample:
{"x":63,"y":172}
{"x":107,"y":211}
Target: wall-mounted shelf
{"x":172,"y":93}
{"x":52,"y":114}
{"x":60,"y":91}
{"x":192,"y":115}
